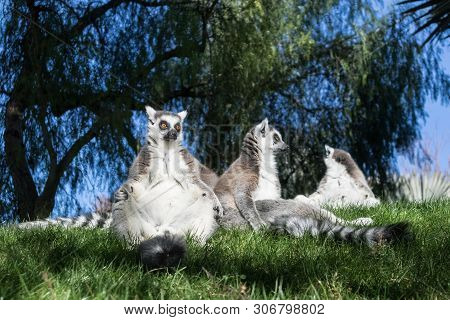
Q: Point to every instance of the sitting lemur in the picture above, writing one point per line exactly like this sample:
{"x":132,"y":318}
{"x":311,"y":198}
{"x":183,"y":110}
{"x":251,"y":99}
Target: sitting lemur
{"x":250,"y":194}
{"x":167,"y":196}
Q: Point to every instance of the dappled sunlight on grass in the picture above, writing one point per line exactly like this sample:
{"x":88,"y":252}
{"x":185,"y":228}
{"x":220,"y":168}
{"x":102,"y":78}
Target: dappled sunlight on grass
{"x":77,"y":264}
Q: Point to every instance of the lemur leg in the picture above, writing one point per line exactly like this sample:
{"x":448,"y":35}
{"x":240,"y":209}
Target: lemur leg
{"x":247,"y":208}
{"x":232,"y":218}
{"x":325,"y":214}
{"x":132,"y":220}
{"x":217,"y":206}
{"x":126,"y":220}
{"x":199,"y":217}
{"x":302,"y":198}
{"x":198,"y":220}
{"x":270,"y":209}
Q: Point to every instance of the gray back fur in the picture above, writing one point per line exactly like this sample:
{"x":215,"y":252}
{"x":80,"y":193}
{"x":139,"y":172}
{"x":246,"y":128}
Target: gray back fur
{"x":345,"y":159}
{"x":236,"y":188}
{"x":343,"y":183}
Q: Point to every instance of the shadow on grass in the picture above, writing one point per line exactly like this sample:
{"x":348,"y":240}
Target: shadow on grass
{"x":56,"y":249}
{"x":302,"y":263}
{"x":270,"y":265}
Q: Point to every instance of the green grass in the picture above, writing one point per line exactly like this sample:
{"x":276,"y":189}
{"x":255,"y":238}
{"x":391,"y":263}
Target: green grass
{"x":92,"y":264}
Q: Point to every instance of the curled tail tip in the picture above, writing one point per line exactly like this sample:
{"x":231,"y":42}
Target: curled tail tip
{"x":398,"y":231}
{"x":162,"y":251}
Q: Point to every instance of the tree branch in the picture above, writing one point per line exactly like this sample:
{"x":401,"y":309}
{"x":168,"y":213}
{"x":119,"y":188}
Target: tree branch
{"x":48,"y":141}
{"x":92,"y":15}
{"x":131,"y":140}
{"x":186,"y":51}
{"x":94,"y":101}
{"x":54,"y":178}
{"x":192,"y":91}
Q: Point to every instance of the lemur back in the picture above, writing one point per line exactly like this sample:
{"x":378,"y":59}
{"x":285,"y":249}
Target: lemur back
{"x":343,"y":184}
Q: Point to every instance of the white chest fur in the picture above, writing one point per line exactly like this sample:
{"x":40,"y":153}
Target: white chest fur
{"x":167,"y":201}
{"x":342,"y":190}
{"x":268,"y":183}
{"x":167,"y":163}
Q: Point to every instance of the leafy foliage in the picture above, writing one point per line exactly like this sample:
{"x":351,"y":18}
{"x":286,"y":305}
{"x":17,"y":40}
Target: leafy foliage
{"x":434,"y":13}
{"x":84,"y":70}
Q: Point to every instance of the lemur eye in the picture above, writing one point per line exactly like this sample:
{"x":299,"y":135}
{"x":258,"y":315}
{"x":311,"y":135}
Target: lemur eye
{"x":163,"y":125}
{"x":276,"y":138}
{"x":178,"y":127}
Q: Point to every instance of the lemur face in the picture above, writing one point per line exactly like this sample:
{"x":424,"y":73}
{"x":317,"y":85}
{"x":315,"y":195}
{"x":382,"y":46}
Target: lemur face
{"x":270,"y":138}
{"x":165,"y":126}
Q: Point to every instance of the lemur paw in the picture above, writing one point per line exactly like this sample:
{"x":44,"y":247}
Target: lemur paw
{"x":362,"y":221}
{"x":217,"y":207}
{"x":258,"y":224}
{"x":218,"y":211}
{"x":304,"y":199}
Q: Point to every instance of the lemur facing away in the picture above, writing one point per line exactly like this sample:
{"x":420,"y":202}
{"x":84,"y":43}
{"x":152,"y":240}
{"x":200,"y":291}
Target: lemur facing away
{"x":165,"y":198}
{"x":343,"y":184}
{"x":251,"y":197}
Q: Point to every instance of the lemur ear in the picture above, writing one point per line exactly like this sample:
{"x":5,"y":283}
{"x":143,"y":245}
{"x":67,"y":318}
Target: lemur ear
{"x":182,"y":114}
{"x":151,"y":113}
{"x":328,"y":151}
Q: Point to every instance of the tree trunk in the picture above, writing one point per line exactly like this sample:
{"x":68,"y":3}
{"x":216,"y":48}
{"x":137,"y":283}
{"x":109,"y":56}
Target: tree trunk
{"x":31,"y":205}
{"x":24,"y":186}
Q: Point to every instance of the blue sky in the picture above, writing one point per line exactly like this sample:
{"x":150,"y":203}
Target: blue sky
{"x":435,"y":129}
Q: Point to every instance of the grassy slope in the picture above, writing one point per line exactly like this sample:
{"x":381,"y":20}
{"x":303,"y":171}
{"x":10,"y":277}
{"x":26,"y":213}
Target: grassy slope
{"x":76,"y":264}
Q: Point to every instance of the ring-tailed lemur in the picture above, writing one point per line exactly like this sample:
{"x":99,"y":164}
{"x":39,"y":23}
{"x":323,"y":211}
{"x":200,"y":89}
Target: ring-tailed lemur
{"x":343,"y":184}
{"x":253,"y":176}
{"x":165,"y":197}
{"x":250,"y":195}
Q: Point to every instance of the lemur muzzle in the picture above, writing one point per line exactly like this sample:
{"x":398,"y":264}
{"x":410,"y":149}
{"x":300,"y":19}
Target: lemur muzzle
{"x":171,"y":135}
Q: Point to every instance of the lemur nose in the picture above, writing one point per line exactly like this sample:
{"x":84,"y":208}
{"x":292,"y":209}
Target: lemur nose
{"x":216,"y":208}
{"x":172,"y":135}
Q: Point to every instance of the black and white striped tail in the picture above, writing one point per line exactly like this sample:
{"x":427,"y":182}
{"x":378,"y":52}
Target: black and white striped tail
{"x":94,"y":220}
{"x":298,"y":226}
